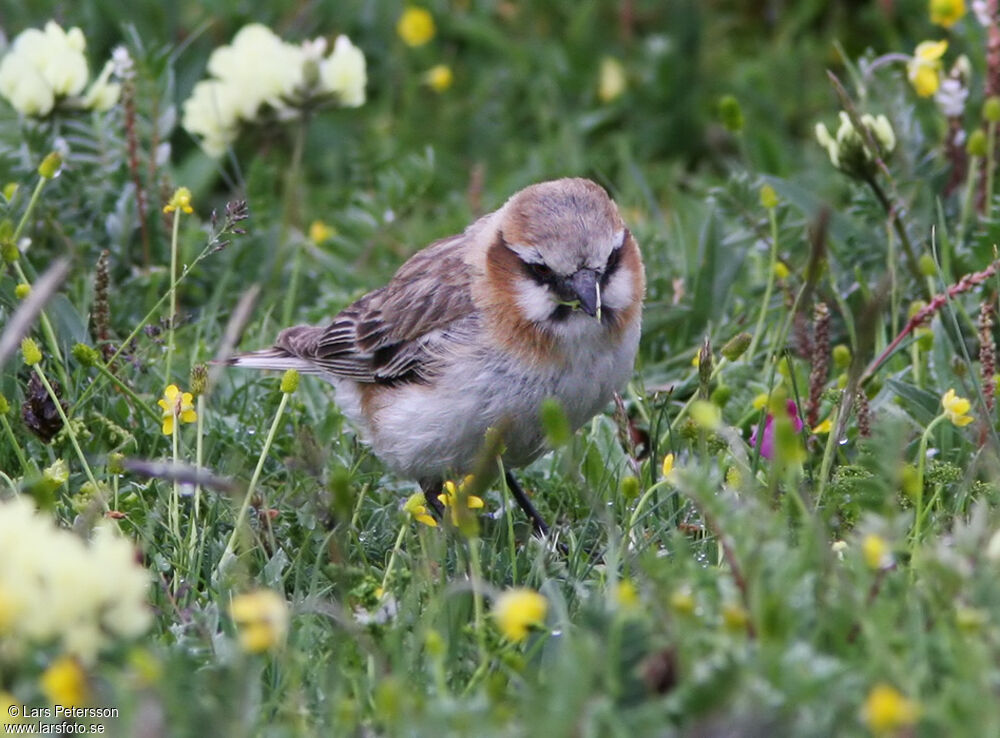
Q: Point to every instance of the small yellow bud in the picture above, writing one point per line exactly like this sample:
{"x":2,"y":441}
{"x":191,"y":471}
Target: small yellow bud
{"x":630,"y":487}
{"x":841,"y":356}
{"x":198,"y":379}
{"x":682,"y":601}
{"x":439,"y":77}
{"x":86,"y":355}
{"x":927,"y":265}
{"x":415,"y":26}
{"x":290,"y":381}
{"x":735,"y":346}
{"x":22,"y":290}
{"x":706,"y":415}
{"x":768,"y":197}
{"x":991,"y":109}
{"x":181,"y":200}
{"x":976,"y":145}
{"x":4,"y":405}
{"x":781,"y":271}
{"x":29,"y":349}
{"x":50,"y":166}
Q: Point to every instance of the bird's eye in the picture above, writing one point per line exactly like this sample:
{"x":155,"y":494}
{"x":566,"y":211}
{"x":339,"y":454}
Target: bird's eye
{"x":541,"y":272}
{"x":613,"y":260}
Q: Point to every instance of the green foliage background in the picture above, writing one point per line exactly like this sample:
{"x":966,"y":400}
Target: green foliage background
{"x":745,"y":620}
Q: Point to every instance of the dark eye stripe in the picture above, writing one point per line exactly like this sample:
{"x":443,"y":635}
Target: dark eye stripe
{"x":540,"y":273}
{"x":614,"y":260}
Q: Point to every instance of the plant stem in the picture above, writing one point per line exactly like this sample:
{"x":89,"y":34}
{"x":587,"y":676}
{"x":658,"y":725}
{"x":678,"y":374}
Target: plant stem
{"x":921,"y":464}
{"x":897,"y":223}
{"x":395,"y":552}
{"x":172,"y":315}
{"x":991,"y":135}
{"x":199,"y":438}
{"x":970,"y":187}
{"x":476,"y":575}
{"x":766,"y":303}
{"x":291,"y":200}
{"x":22,"y":459}
{"x":72,"y":435}
{"x":227,"y":555}
{"x":827,"y":462}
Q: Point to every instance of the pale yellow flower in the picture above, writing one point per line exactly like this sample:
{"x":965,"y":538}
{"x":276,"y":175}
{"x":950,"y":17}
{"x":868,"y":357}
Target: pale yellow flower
{"x":64,"y":683}
{"x":956,"y":408}
{"x":345,"y":73}
{"x":519,"y":610}
{"x":416,"y":26}
{"x":924,"y":69}
{"x":261,"y":619}
{"x":886,"y":710}
{"x":439,"y":77}
{"x":176,"y":405}
{"x":611,"y":81}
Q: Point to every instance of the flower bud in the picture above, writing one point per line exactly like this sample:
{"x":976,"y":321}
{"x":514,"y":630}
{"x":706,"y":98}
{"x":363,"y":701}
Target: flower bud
{"x":199,"y":380}
{"x":735,"y":346}
{"x":976,"y":145}
{"x":991,"y":109}
{"x":50,"y":166}
{"x":841,"y":356}
{"x":85,"y":354}
{"x":29,"y":349}
{"x":116,"y":463}
{"x":730,"y":114}
{"x":768,"y":197}
{"x":22,"y":290}
{"x":630,"y":487}
{"x":290,"y":381}
{"x":927,"y":265}
{"x":4,"y":405}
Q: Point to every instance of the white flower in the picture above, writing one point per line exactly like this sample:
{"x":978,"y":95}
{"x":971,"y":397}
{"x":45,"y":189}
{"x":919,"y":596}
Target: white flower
{"x":24,"y":87}
{"x":981,"y":9}
{"x":212,"y":113}
{"x":344,"y":73}
{"x":951,"y":97}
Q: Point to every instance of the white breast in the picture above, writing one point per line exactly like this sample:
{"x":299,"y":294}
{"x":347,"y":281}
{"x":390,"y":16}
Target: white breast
{"x":429,"y":431}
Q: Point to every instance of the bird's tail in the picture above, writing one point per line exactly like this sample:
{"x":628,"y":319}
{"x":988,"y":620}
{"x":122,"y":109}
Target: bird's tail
{"x":272,"y":358}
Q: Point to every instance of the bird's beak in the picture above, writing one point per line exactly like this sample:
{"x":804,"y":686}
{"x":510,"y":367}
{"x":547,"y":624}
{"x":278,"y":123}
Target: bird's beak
{"x":587,"y":288}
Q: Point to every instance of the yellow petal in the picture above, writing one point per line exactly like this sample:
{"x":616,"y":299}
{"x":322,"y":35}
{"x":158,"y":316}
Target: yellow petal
{"x":475,"y":502}
{"x":426,"y":520}
{"x":962,"y":420}
{"x":168,"y":425}
{"x":825,"y":427}
{"x":189,"y":416}
{"x":930,"y":50}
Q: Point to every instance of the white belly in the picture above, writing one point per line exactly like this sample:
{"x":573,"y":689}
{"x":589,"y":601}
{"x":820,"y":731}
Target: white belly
{"x":432,"y":431}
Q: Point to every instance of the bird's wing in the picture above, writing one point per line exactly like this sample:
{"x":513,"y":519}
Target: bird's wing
{"x":400,"y":332}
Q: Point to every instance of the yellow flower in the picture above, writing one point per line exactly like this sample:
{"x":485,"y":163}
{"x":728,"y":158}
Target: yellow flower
{"x":924,"y":68}
{"x":519,"y":610}
{"x":780,"y":270}
{"x":181,"y":200}
{"x":320,"y":232}
{"x":64,"y":682}
{"x":706,"y":415}
{"x":886,"y":710}
{"x":415,"y":26}
{"x":9,"y":716}
{"x":627,"y":595}
{"x":956,"y":408}
{"x":417,"y":510}
{"x":682,"y":601}
{"x":876,"y":551}
{"x":946,"y":12}
{"x":611,"y":81}
{"x":734,"y":616}
{"x":176,"y":404}
{"x":261,"y":619}
{"x":668,"y":466}
{"x":825,"y":427}
{"x":439,"y":77}
{"x":452,"y":494}
{"x":760,"y":401}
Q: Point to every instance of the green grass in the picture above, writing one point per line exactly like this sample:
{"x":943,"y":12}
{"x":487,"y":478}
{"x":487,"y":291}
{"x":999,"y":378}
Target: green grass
{"x":740,"y":595}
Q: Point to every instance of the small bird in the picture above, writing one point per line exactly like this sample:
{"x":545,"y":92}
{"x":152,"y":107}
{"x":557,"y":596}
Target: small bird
{"x":539,"y":299}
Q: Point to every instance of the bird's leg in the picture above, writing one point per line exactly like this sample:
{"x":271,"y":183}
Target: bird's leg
{"x":431,"y":490}
{"x":525,"y":503}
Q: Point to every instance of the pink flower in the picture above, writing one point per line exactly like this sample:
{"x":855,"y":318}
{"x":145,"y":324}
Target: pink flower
{"x":766,"y":440}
